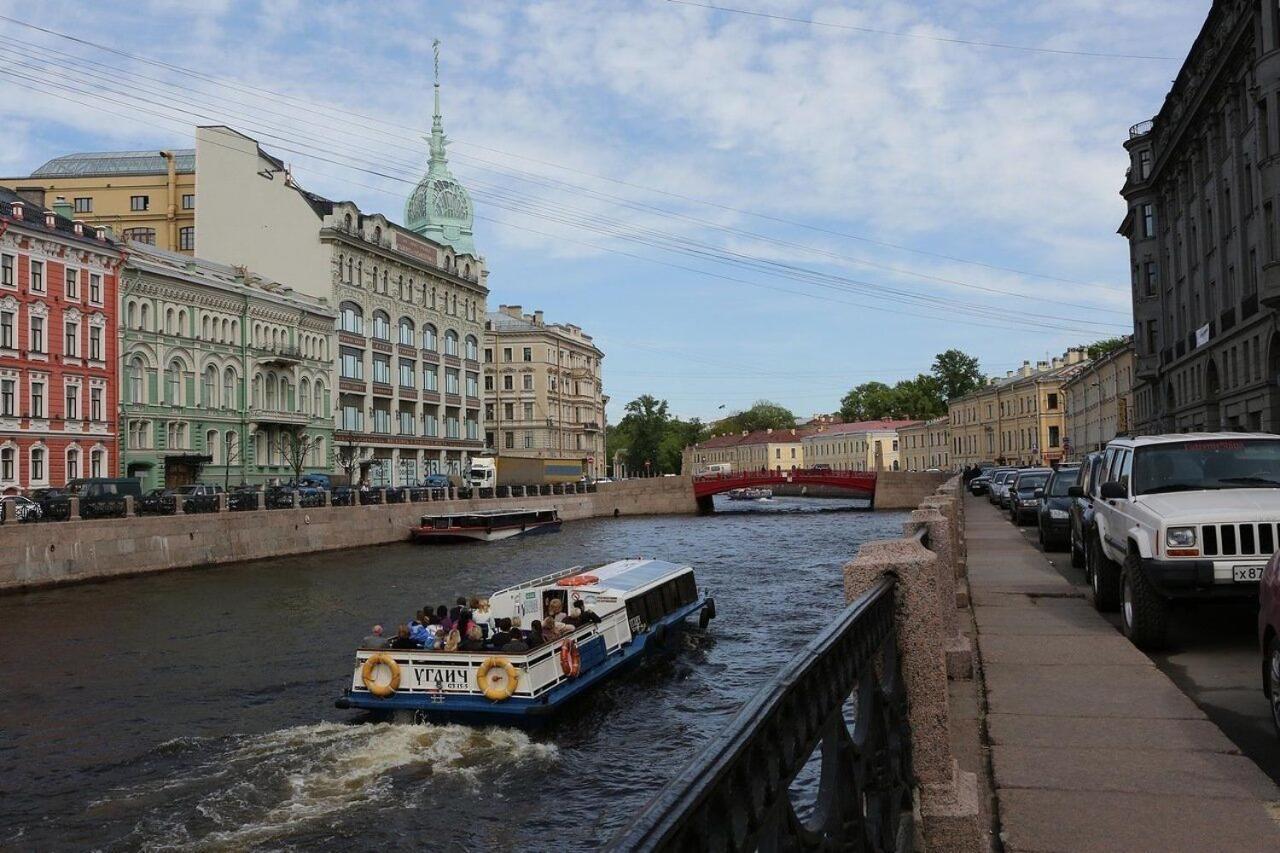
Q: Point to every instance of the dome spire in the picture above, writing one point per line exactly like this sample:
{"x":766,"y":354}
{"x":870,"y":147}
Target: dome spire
{"x":439,"y":208}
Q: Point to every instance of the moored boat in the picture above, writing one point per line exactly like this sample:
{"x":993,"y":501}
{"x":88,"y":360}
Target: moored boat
{"x":750,"y":494}
{"x":485,"y":525}
{"x":641,"y":604}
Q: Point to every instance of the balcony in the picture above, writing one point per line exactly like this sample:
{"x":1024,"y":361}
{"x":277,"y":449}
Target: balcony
{"x":1142,"y":128}
{"x":591,"y":426}
{"x":285,"y":357}
{"x":263,"y":416}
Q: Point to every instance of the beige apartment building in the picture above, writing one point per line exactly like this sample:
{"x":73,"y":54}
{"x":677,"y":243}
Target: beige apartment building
{"x":145,"y":196}
{"x":1099,"y":402}
{"x":1017,"y":419}
{"x":859,"y":446}
{"x":543,"y":392}
{"x":774,"y":449}
{"x":926,"y":445}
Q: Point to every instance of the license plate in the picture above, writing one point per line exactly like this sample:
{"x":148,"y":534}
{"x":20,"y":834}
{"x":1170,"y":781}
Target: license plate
{"x":1246,"y":573}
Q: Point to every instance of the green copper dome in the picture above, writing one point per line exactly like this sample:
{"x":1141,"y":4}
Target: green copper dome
{"x":439,"y":208}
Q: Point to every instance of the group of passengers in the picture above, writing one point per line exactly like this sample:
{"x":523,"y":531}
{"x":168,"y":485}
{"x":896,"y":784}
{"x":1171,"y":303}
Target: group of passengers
{"x":469,"y":627}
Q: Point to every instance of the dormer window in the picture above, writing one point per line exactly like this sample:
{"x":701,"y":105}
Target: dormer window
{"x":346,"y":221}
{"x":50,"y":221}
{"x":377,"y":234}
{"x":17,"y":209}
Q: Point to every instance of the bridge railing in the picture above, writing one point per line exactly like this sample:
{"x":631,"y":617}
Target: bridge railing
{"x":840,"y":699}
{"x":780,"y":472}
{"x":867,"y":700}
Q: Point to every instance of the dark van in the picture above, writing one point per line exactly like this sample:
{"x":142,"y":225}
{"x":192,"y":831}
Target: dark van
{"x":101,"y":496}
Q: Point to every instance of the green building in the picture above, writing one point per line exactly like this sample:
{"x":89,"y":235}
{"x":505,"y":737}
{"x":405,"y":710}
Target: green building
{"x":226,"y":377}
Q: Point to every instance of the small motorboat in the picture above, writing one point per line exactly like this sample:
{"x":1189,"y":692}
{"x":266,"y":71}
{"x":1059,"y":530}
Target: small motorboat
{"x":750,"y":495}
{"x":641,"y":605}
{"x":485,"y":525}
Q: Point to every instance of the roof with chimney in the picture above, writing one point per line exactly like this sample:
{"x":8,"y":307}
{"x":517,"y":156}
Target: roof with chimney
{"x":37,"y":218}
{"x":882,"y":425}
{"x":760,"y":436}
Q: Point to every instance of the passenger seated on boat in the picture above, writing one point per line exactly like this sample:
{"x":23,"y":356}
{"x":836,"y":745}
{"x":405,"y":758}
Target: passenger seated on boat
{"x":480,"y":612}
{"x":452,"y":641}
{"x":554,"y":630}
{"x":418,"y":629}
{"x":474,"y":641}
{"x":402,"y":640}
{"x":375,"y":640}
{"x":442,"y":614}
{"x":553,"y":603}
{"x":433,"y":633}
{"x":502,"y":635}
{"x":515,"y":646}
{"x":584,"y":615}
{"x":535,"y":637}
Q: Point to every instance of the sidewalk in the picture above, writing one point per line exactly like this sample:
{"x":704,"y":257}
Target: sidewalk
{"x":1092,"y":747}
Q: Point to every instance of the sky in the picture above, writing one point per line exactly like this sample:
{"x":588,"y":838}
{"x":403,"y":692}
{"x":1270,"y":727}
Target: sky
{"x":736,"y":207}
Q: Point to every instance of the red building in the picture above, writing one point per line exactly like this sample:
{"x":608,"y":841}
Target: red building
{"x":58,"y":282}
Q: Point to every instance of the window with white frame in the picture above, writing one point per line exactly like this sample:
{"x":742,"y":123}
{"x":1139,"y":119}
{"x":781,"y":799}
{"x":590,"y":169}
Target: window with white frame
{"x":95,"y":343}
{"x":430,"y":378}
{"x":137,"y":375}
{"x":95,"y":403}
{"x":526,"y":382}
{"x":71,"y":338}
{"x":39,"y":470}
{"x":450,"y":342}
{"x":473,"y":385}
{"x":37,"y":276}
{"x":37,"y":334}
{"x":8,"y":319}
{"x":71,"y":284}
{"x":173,"y":383}
{"x":8,"y":397}
{"x":97,"y":462}
{"x":73,"y":464}
{"x":7,"y":266}
{"x":8,"y":464}
{"x":228,"y":388}
{"x":71,"y":410}
{"x":472,"y":348}
{"x":37,"y":398}
{"x":95,"y":288}
{"x":429,"y":337}
{"x":451,"y":381}
{"x":406,"y":373}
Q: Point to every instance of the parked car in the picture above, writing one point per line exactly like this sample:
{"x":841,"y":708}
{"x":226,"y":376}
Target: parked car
{"x":436,"y":481}
{"x":1269,"y":635}
{"x":159,"y":500}
{"x":1022,"y":500}
{"x":1184,"y":518}
{"x":101,"y":496}
{"x":19,"y":508}
{"x":1000,"y":486}
{"x":201,"y":489}
{"x":1083,"y":494}
{"x":1053,"y":516}
{"x":979,"y":484}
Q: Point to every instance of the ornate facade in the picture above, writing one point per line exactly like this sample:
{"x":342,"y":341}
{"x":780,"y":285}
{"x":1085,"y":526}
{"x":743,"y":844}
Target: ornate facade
{"x":226,"y":376}
{"x":57,"y":348}
{"x":543,"y":389}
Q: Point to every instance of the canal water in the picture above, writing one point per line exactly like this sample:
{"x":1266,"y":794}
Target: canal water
{"x":194,"y":709}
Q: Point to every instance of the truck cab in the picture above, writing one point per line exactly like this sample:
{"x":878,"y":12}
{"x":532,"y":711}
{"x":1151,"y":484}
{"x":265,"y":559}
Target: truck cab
{"x":483,"y":473}
{"x":1182,"y":518}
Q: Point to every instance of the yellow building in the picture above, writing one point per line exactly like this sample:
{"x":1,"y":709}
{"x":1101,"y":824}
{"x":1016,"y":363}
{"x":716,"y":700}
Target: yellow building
{"x":1017,"y":419}
{"x":775,"y":449}
{"x":860,"y":446}
{"x":1099,"y":402}
{"x":147,"y":196}
{"x":926,"y":445}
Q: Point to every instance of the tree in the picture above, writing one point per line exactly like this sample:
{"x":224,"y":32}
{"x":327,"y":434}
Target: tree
{"x":296,"y":446}
{"x":679,"y":435}
{"x":920,"y":398}
{"x":868,"y":402}
{"x":232,"y":453}
{"x":1098,"y":349}
{"x":641,"y":432}
{"x":957,"y":374}
{"x":349,"y":454}
{"x":763,"y":414}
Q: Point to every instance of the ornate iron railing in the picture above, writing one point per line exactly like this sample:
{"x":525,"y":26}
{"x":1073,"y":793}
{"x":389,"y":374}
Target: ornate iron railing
{"x":842,"y":695}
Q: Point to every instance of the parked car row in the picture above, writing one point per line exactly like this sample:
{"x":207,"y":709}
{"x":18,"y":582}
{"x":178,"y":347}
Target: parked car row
{"x":1167,"y":521}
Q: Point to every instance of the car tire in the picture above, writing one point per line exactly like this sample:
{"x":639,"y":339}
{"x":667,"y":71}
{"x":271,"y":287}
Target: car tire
{"x":1144,"y":615}
{"x":1104,"y":579}
{"x":1271,"y":673}
{"x":1077,"y":553}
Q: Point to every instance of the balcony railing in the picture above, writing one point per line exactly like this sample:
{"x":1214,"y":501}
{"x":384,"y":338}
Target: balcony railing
{"x":1142,"y":128}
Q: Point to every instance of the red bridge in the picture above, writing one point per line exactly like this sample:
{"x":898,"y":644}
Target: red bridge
{"x":859,"y":482}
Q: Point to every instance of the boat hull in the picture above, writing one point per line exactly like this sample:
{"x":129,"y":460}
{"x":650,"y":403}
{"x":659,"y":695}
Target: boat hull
{"x":497,"y":534}
{"x":528,"y":712}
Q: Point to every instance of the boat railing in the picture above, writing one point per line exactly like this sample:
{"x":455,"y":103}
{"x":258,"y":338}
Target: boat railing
{"x":544,"y":580}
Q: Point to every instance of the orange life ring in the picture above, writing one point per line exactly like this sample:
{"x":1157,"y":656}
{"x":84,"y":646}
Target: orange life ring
{"x":377,"y":688}
{"x":497,"y":678}
{"x":570,"y":659}
{"x":578,"y":580}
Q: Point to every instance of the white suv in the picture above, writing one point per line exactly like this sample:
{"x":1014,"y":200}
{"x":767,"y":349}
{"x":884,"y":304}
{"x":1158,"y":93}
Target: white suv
{"x":1185,"y":517}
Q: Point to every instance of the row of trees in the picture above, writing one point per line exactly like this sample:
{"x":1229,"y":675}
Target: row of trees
{"x":953,"y":374}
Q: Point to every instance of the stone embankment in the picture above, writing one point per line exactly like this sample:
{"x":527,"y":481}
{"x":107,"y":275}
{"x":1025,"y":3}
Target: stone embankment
{"x":44,"y":554}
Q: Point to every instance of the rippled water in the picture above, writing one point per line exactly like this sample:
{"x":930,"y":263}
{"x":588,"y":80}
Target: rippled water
{"x":194,"y":709}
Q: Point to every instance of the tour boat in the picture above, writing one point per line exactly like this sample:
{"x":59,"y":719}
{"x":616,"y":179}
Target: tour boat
{"x":750,"y":495}
{"x":487,"y":525}
{"x":642,"y":605}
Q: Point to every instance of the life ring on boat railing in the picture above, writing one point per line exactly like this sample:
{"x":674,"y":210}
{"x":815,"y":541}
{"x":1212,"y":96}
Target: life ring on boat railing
{"x":498,"y":678}
{"x":578,"y":580}
{"x":570,"y":659}
{"x":377,"y":688}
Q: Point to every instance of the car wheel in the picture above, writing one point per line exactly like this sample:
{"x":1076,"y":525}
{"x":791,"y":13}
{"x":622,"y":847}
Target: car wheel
{"x":1104,"y":579}
{"x":1144,"y":615}
{"x":1077,"y":553}
{"x":1040,"y":536}
{"x":1273,"y":681}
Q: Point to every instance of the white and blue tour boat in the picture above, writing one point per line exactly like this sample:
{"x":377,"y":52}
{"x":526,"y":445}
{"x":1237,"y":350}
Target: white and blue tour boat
{"x":642,"y":604}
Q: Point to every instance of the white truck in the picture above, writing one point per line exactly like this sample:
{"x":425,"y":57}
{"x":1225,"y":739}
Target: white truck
{"x":1182,"y":518}
{"x":490,"y":472}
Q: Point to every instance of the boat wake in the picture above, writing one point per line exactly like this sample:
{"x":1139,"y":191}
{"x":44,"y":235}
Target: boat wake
{"x":252,"y":789}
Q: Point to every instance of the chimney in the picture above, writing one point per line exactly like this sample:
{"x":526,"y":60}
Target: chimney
{"x":510,"y":310}
{"x":63,"y":208}
{"x":1008,"y":374}
{"x":1058,"y":362}
{"x":1042,"y":365}
{"x":1025,"y":370}
{"x":35,"y":195}
{"x":537,"y":317}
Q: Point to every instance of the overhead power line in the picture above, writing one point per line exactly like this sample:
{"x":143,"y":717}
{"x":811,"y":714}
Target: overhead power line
{"x":1025,"y":48}
{"x":369,"y":123}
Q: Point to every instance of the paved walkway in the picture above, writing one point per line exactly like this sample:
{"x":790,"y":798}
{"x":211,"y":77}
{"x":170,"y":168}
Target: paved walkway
{"x":1092,"y":747}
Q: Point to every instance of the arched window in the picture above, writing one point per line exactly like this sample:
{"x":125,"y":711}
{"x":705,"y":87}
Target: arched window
{"x":168,"y":321}
{"x":136,"y":378}
{"x":450,"y":342}
{"x":467,"y":272}
{"x":318,"y":407}
{"x":377,"y":234}
{"x":144,"y":317}
{"x":473,"y":348}
{"x":98,"y":462}
{"x":231,"y":448}
{"x":229,"y":389}
{"x":271,"y":392}
{"x":284,"y":394}
{"x":317,"y":453}
{"x":346,"y":221}
{"x":351,"y":318}
{"x":257,"y":390}
{"x":73,"y":463}
{"x":210,"y":389}
{"x":130,"y":314}
{"x":381,"y":326}
{"x":226,"y":333}
{"x":182,"y":323}
{"x":9,"y":463}
{"x":39,"y":464}
{"x":213,"y":447}
{"x":235,"y":331}
{"x":204,"y":327}
{"x":350,"y":272}
{"x":429,"y":338}
{"x":304,"y":396}
{"x":173,"y":383}
{"x":406,"y":331}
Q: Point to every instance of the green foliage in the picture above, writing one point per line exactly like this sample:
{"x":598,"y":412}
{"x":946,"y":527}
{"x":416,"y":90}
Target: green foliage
{"x":648,"y":433}
{"x":763,"y":414}
{"x":1098,"y":349}
{"x":954,"y":374}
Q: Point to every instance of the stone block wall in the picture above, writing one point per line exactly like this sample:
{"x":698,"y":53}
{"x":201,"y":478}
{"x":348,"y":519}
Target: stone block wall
{"x":43,"y":554}
{"x":906,"y":489}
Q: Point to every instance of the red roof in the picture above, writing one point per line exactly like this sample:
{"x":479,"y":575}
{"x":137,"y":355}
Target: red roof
{"x":761,"y":436}
{"x":885,"y":425}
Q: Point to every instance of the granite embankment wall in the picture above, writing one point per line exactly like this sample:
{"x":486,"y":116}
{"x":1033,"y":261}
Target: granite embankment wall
{"x":906,"y":489}
{"x":33,"y":555}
